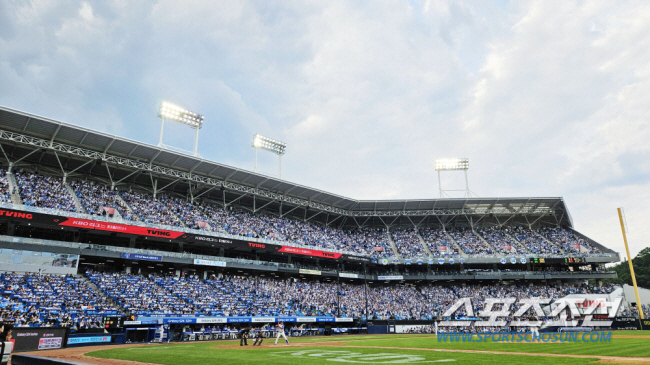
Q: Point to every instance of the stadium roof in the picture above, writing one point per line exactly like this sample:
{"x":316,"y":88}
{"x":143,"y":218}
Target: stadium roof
{"x":37,"y":133}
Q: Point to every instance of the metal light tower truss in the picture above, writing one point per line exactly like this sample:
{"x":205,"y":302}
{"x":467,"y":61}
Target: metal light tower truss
{"x":271,"y":145}
{"x":169,"y":111}
{"x":453,"y":164}
{"x":42,"y":144}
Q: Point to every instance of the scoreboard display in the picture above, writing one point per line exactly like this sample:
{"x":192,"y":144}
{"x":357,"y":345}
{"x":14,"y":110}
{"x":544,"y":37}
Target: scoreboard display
{"x":113,"y":322}
{"x":553,"y":260}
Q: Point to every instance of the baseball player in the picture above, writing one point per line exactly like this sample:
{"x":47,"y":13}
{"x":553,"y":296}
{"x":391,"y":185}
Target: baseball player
{"x":259,"y":338}
{"x":279,"y":331}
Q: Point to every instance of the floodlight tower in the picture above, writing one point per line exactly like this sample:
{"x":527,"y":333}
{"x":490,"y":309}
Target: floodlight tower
{"x":169,"y":111}
{"x":271,"y":145}
{"x":453,"y":164}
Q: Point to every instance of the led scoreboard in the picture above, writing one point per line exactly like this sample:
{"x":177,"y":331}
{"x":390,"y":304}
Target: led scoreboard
{"x":573,"y":260}
{"x":113,"y":322}
{"x":552,"y":260}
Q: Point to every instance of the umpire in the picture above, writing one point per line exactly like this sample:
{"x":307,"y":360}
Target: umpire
{"x":243,"y":336}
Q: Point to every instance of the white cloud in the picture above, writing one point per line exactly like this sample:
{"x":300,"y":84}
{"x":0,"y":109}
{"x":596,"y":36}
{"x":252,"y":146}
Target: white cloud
{"x":545,"y":98}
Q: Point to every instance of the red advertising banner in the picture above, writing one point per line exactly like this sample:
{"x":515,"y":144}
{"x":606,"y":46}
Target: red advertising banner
{"x":309,"y":252}
{"x":121,"y":228}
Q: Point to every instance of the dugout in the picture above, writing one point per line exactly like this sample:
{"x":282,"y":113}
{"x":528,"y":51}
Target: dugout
{"x":140,"y":334}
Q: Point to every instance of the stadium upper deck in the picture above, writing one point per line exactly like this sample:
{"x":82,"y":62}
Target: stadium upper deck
{"x":73,"y":152}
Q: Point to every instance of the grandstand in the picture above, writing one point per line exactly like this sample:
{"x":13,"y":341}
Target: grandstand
{"x":124,"y":228}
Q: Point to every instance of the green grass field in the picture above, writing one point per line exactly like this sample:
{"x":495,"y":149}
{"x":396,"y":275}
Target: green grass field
{"x":390,"y":349}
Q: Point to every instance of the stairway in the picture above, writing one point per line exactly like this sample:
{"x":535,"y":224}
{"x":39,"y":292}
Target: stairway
{"x":177,"y":217}
{"x":424,"y":245}
{"x":128,"y":207}
{"x":453,"y":241}
{"x":559,"y":247}
{"x":516,"y":241}
{"x":100,"y":292}
{"x":392,"y":244}
{"x":14,"y":189}
{"x":494,"y":250}
{"x":75,"y":198}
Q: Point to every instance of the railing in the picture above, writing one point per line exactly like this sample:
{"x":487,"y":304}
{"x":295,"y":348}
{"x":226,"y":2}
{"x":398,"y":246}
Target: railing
{"x":276,"y":242}
{"x":92,"y":246}
{"x":33,"y":209}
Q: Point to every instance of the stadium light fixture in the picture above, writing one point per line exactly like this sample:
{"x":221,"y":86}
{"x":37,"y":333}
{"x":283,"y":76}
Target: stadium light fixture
{"x":448,"y":164}
{"x":175,"y":113}
{"x":453,"y":164}
{"x":271,"y":145}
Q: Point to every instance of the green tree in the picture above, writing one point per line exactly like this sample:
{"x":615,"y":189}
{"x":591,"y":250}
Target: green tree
{"x":641,"y":269}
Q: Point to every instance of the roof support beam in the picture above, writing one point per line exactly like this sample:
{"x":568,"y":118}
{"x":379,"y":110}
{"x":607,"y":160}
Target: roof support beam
{"x":289,"y":211}
{"x":126,"y":177}
{"x":147,"y":167}
{"x":263,"y":206}
{"x":5,"y":154}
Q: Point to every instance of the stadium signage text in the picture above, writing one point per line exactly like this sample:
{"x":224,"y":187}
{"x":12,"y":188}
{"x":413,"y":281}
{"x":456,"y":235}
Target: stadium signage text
{"x":557,"y":309}
{"x":137,"y":256}
{"x":88,"y":339}
{"x":390,"y":277}
{"x":348,"y":275}
{"x":120,"y":228}
{"x":12,"y":214}
{"x":63,"y":221}
{"x":309,"y":272}
{"x":209,"y":263}
{"x":310,"y":252}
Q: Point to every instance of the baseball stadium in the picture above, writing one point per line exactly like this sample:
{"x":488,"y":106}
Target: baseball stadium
{"x":114,"y":251}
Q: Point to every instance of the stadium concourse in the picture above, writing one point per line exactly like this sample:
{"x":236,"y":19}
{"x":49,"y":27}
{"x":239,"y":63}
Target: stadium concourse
{"x":98,"y":232}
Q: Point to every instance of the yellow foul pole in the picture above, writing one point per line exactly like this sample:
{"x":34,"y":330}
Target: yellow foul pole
{"x":629,"y":261}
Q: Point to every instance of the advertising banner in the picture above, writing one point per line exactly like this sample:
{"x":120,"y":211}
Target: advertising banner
{"x":141,"y":257}
{"x":348,"y":275}
{"x":62,"y":221}
{"x":390,"y":277}
{"x":38,"y":338}
{"x":209,"y":263}
{"x":310,"y":252}
{"x":212,"y":320}
{"x":309,"y":272}
{"x":88,"y":340}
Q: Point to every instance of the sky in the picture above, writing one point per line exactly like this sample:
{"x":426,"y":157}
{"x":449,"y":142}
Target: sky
{"x":545,"y":98}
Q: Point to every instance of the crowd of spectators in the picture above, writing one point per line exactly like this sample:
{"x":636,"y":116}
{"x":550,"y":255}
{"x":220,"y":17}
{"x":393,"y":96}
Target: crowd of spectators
{"x":139,"y":294}
{"x":534,"y":242}
{"x":438,"y":242}
{"x":44,"y":191}
{"x":408,"y":242}
{"x":469,"y":242}
{"x":500,"y":240}
{"x":50,"y":192}
{"x":51,"y":300}
{"x":151,"y":210}
{"x":5,"y":192}
{"x":95,"y":197}
{"x":569,"y":242}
